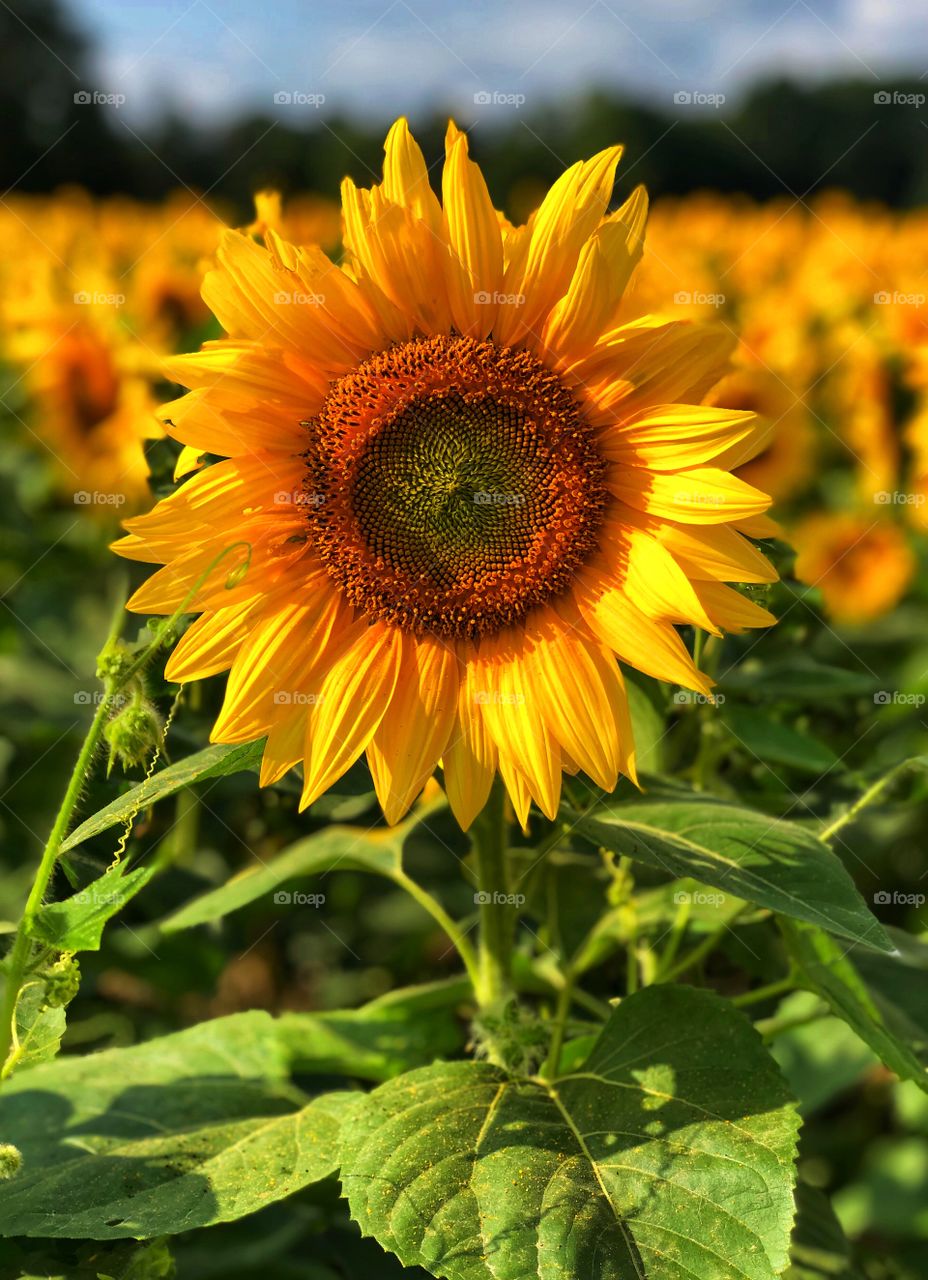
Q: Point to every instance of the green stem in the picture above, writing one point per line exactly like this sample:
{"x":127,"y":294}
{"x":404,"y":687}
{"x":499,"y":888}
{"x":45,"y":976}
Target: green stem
{"x":872,"y":793}
{"x":769,"y":1028}
{"x":495,"y":910}
{"x":445,"y":922}
{"x":18,"y":958}
{"x":561,"y":1013}
{"x":699,"y":952}
{"x":778,"y":988}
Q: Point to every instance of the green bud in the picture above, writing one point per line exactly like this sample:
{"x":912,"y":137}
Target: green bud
{"x":62,"y":980}
{"x":113,"y":663}
{"x":134,"y":733}
{"x":11,"y":1159}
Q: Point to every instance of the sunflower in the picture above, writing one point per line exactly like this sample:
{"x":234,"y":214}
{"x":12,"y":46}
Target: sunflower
{"x":863,"y":566}
{"x":466,"y":484}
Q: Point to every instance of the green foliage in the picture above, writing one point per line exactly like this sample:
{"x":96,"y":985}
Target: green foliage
{"x":775,"y":864}
{"x":607,"y":1171}
{"x":155,"y":1138}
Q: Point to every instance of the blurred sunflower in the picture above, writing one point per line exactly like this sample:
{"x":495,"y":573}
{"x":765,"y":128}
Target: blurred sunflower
{"x":788,"y":461}
{"x":861,"y":565}
{"x":467,"y":482}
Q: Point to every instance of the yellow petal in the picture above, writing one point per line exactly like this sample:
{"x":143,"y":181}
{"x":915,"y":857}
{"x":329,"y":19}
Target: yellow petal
{"x":606,"y":263}
{"x":353,"y":699}
{"x":702,"y":495}
{"x":469,"y":759}
{"x":668,"y":437}
{"x":476,"y":268}
{"x":413,"y":735}
{"x":647,"y":644}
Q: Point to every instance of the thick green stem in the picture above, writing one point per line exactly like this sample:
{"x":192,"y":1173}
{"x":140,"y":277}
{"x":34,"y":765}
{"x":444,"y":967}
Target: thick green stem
{"x":18,"y":958}
{"x":494,"y":901}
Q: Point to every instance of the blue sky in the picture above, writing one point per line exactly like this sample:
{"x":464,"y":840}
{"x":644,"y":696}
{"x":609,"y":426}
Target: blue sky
{"x":213,"y":59}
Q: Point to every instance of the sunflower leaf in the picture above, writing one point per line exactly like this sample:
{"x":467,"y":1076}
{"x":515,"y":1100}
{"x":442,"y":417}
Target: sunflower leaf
{"x":197,"y":1127}
{"x":76,"y":923}
{"x":378,"y":850}
{"x":763,"y":860}
{"x":880,"y":997}
{"x":212,"y":762}
{"x":670,"y":1153}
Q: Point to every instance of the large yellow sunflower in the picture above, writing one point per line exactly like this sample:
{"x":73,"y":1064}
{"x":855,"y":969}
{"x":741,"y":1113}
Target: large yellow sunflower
{"x":467,"y":486}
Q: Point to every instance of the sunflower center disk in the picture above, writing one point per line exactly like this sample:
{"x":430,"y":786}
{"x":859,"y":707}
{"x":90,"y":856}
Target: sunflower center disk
{"x":453,"y":486}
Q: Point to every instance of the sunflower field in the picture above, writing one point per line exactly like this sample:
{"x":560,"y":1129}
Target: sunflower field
{"x":463,"y":763}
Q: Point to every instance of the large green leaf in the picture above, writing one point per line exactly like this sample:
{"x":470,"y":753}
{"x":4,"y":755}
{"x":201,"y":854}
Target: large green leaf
{"x":773,"y":863}
{"x":76,"y":923}
{"x":879,"y":1001}
{"x":194,"y":1128}
{"x":213,"y":762}
{"x":668,"y":1156}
